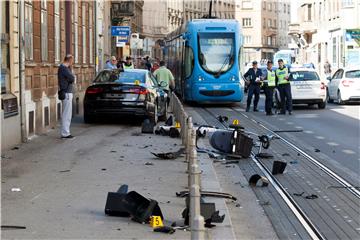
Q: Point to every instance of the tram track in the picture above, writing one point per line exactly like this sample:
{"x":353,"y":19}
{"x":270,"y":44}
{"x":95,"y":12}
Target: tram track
{"x":296,"y":207}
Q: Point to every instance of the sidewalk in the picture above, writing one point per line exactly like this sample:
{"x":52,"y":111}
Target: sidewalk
{"x":64,"y":183}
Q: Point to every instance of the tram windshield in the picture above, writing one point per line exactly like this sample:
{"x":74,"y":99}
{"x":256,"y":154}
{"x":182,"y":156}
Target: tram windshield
{"x":216,"y":51}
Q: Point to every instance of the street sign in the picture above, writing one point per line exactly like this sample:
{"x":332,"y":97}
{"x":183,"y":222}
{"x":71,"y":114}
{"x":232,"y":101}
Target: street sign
{"x":136,"y":43}
{"x":121,"y":31}
{"x":123,"y":39}
{"x":120,"y":44}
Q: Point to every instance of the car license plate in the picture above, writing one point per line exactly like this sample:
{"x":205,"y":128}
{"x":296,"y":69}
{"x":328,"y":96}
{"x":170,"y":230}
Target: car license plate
{"x":114,"y":95}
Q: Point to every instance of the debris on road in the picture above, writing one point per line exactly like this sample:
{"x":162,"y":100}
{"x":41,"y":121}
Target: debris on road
{"x":147,"y":126}
{"x":317,"y":150}
{"x":257,"y":180}
{"x":146,"y":146}
{"x":113,"y":151}
{"x":165,"y":229}
{"x":294,"y":162}
{"x":103,"y":169}
{"x":285,"y":155}
{"x":8,"y":227}
{"x":222,"y":119}
{"x":312,"y":196}
{"x":124,"y":204}
{"x":15,"y":189}
{"x":298,"y":194}
{"x":208,"y":194}
{"x":63,"y":171}
{"x":15,"y":148}
{"x":264,"y":155}
{"x":148,"y":163}
{"x":136,"y":134}
{"x":169,"y":155}
{"x":278,"y":167}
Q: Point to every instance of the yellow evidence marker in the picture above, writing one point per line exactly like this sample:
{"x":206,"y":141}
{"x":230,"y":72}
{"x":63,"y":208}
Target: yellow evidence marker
{"x":137,"y":82}
{"x":155,"y":221}
{"x":235,"y":122}
{"x":177,"y":124}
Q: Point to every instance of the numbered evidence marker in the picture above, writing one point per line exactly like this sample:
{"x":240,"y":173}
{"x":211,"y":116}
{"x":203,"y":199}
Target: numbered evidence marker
{"x":155,"y":221}
{"x":177,"y":124}
{"x":137,"y":82}
{"x":235,"y":122}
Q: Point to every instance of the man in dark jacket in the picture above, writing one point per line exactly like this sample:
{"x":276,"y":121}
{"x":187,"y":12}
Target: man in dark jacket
{"x":66,"y":80}
{"x":253,"y":79}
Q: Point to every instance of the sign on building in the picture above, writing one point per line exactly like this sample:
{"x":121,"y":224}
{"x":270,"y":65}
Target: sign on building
{"x":120,"y":31}
{"x":120,"y":42}
{"x":122,"y":9}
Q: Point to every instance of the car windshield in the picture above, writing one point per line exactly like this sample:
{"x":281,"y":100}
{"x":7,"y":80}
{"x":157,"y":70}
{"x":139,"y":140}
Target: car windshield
{"x":216,"y":53}
{"x":121,"y":77}
{"x":353,"y":74}
{"x":304,"y":76}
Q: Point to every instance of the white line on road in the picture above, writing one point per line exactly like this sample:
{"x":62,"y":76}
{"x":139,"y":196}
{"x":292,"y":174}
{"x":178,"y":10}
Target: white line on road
{"x":309,"y":132}
{"x":348,"y":151}
{"x":299,"y":127}
{"x":320,"y":137}
{"x":332,"y":143}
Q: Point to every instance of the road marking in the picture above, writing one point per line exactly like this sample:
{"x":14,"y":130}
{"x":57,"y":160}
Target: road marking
{"x":320,"y":137}
{"x":309,"y":132}
{"x":332,"y":143}
{"x":289,"y":123}
{"x":299,"y":127}
{"x":348,"y":151}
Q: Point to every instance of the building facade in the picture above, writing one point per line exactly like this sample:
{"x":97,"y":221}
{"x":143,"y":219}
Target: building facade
{"x":264,"y":25}
{"x":328,"y":31}
{"x":9,"y":71}
{"x":35,"y":38}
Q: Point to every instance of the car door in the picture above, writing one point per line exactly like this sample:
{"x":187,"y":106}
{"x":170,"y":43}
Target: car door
{"x":333,"y":84}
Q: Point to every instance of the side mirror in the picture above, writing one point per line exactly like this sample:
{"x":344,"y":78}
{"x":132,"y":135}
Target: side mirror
{"x":328,"y":78}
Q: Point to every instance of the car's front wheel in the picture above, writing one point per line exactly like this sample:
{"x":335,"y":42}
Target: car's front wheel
{"x":88,"y":118}
{"x":339,"y":100}
{"x":322,"y":105}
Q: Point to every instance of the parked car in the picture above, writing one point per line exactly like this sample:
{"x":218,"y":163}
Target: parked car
{"x":344,"y":86}
{"x":307,"y":88}
{"x":130,"y":92}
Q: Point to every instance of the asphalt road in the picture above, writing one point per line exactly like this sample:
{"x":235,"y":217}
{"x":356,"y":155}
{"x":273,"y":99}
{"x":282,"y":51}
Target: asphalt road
{"x":335,"y":131}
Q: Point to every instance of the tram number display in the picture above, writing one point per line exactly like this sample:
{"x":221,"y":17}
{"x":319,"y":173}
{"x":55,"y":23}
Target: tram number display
{"x":216,"y":41}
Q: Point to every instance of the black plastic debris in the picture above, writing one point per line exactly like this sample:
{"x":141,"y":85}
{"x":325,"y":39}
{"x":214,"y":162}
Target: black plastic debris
{"x":278,"y":167}
{"x":174,"y":132}
{"x":312,"y":196}
{"x":165,"y":229}
{"x":125,"y":204}
{"x":208,"y":194}
{"x":207,"y":210}
{"x":169,"y":121}
{"x":148,"y":163}
{"x":317,"y":150}
{"x":285,"y":155}
{"x":257,"y":180}
{"x":222,"y":119}
{"x":294,"y":162}
{"x":264,"y":155}
{"x":169,"y":155}
{"x":298,"y":194}
{"x":8,"y":227}
{"x":147,"y":126}
{"x":15,"y":148}
{"x":114,"y":205}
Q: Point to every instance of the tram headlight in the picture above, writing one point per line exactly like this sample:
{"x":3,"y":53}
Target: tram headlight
{"x":201,"y":78}
{"x":233,"y":78}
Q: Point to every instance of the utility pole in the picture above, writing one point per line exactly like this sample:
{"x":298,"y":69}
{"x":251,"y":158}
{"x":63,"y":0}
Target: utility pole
{"x":210,"y":9}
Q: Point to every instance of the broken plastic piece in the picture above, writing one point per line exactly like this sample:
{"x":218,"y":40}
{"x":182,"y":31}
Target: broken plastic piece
{"x":254,"y":181}
{"x":169,"y":121}
{"x":264,"y":155}
{"x":174,"y":133}
{"x":114,"y":205}
{"x":16,"y":190}
{"x":169,"y":155}
{"x":165,"y":229}
{"x":208,"y":194}
{"x":312,"y":196}
{"x":278,"y":167}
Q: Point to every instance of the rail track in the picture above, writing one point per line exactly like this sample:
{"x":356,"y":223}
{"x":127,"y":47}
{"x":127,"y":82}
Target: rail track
{"x":302,"y":211}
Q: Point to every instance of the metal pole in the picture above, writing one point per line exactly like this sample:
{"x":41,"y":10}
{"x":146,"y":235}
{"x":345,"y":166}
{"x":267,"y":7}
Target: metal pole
{"x":196,"y":220}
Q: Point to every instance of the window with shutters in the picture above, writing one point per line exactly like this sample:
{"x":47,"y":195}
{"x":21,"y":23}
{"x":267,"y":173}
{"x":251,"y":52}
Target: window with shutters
{"x":76,"y":32}
{"x":28,"y":34}
{"x":44,"y":31}
{"x":91,"y":35}
{"x":83,"y":18}
{"x":57,"y":30}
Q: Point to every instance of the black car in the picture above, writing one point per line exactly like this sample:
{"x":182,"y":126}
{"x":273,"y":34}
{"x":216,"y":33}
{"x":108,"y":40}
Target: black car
{"x":131,"y":92}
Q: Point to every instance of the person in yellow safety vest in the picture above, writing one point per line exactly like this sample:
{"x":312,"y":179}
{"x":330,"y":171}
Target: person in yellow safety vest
{"x":163,"y":74}
{"x":283,"y":85}
{"x":269,"y":85}
{"x":128,"y":64}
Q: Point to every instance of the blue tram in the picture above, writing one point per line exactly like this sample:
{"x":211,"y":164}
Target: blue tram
{"x":205,"y":58}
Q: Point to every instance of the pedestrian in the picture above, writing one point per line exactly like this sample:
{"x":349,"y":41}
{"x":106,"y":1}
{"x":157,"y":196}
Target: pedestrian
{"x":327,"y":69}
{"x":66,"y":80}
{"x":269,"y":85}
{"x":128,"y":64}
{"x":147,"y":63}
{"x":112,"y":63}
{"x":163,"y":74}
{"x":284,"y":87}
{"x":253,"y":76}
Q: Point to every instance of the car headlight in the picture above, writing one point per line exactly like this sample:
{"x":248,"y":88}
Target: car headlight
{"x":200,"y":78}
{"x":233,"y":78}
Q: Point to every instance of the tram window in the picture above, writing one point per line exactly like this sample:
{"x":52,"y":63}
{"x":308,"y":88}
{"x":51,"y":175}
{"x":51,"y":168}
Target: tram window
{"x":189,"y":61}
